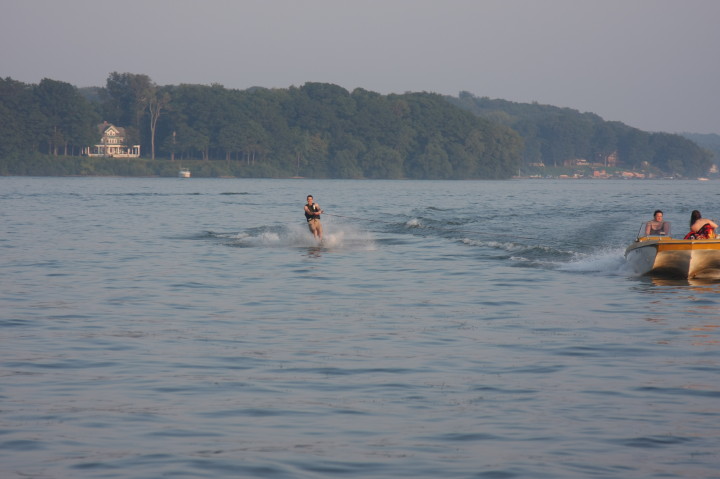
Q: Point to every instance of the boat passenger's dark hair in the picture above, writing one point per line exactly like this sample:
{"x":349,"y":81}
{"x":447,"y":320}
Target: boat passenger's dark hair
{"x":656,"y":212}
{"x":694,"y":216}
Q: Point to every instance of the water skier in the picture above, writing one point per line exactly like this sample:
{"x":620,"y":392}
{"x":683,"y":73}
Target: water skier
{"x":312,"y":215}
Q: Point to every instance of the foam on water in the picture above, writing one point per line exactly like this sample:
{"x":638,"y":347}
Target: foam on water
{"x":339,"y":236}
{"x":610,"y":261}
{"x":606,"y":261}
{"x":414,"y":223}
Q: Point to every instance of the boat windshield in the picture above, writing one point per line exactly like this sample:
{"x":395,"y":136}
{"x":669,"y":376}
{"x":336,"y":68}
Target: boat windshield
{"x":654,"y":228}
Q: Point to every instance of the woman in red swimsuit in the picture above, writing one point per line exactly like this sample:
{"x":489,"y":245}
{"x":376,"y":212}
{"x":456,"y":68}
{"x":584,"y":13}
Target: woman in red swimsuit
{"x":701,"y":228}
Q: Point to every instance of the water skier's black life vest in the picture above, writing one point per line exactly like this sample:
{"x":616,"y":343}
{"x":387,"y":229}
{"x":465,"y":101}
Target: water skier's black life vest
{"x":316,"y":216}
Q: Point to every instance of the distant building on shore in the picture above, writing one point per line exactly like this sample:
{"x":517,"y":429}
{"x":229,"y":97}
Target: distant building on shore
{"x":112,"y":143}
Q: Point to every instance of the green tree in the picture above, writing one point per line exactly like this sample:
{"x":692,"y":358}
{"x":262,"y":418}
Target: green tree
{"x":431,"y":163}
{"x":189,"y":140}
{"x":317,"y":155}
{"x":156,"y":100}
{"x":382,"y":162}
{"x":128,"y":94}
{"x":230,"y":139}
{"x":301,"y":147}
{"x":69,"y":118}
{"x":254,"y":141}
{"x":604,"y":142}
{"x":21,"y":122}
{"x":345,"y":165}
{"x":679,"y":155}
{"x":634,"y":148}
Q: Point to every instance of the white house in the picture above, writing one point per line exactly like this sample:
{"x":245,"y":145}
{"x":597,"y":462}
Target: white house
{"x":112,"y":143}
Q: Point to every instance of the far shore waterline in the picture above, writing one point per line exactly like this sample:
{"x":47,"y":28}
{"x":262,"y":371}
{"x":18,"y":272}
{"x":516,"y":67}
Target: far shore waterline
{"x":514,"y":178}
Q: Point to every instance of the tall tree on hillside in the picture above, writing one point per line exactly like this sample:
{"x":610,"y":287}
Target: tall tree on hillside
{"x":604,"y":141}
{"x":187,"y":141}
{"x":382,"y":162}
{"x":634,"y":148}
{"x":156,"y":100}
{"x":127,"y":93}
{"x":230,"y":139}
{"x":127,"y":97}
{"x":255,"y":141}
{"x":301,"y":146}
{"x":69,"y":118}
{"x":20,"y":118}
{"x":679,"y":155}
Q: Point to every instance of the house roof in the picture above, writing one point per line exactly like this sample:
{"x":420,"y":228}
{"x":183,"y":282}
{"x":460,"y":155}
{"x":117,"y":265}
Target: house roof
{"x":105,"y":126}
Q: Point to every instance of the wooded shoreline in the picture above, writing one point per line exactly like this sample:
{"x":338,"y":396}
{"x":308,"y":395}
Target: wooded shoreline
{"x":320,"y":130}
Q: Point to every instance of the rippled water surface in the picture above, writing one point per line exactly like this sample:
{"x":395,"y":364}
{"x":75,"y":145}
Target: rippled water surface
{"x":192,"y":328}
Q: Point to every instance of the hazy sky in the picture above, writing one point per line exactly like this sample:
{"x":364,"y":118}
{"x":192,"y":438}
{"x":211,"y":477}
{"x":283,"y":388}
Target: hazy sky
{"x":652,"y":64}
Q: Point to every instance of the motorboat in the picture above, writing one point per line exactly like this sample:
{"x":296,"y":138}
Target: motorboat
{"x":657,"y":254}
{"x":184,"y":173}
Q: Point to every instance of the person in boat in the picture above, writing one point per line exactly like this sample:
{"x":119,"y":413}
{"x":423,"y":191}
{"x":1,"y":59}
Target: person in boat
{"x":701,"y":228}
{"x":657,"y":226}
{"x":312,"y":215}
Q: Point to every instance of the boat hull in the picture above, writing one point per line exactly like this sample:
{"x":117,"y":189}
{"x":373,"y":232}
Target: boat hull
{"x":674,"y":257}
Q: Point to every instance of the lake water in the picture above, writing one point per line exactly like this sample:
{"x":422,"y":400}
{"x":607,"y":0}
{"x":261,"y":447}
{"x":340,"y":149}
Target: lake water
{"x":192,"y":328}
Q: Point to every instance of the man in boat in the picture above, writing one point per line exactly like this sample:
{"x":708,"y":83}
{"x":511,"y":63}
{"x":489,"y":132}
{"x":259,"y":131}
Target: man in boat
{"x":657,"y":226}
{"x":701,"y":228}
{"x":312,"y":215}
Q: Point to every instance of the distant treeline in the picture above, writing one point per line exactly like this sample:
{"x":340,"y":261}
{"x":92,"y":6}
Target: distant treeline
{"x":708,"y":141}
{"x":316,"y":130}
{"x":552,"y":135}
